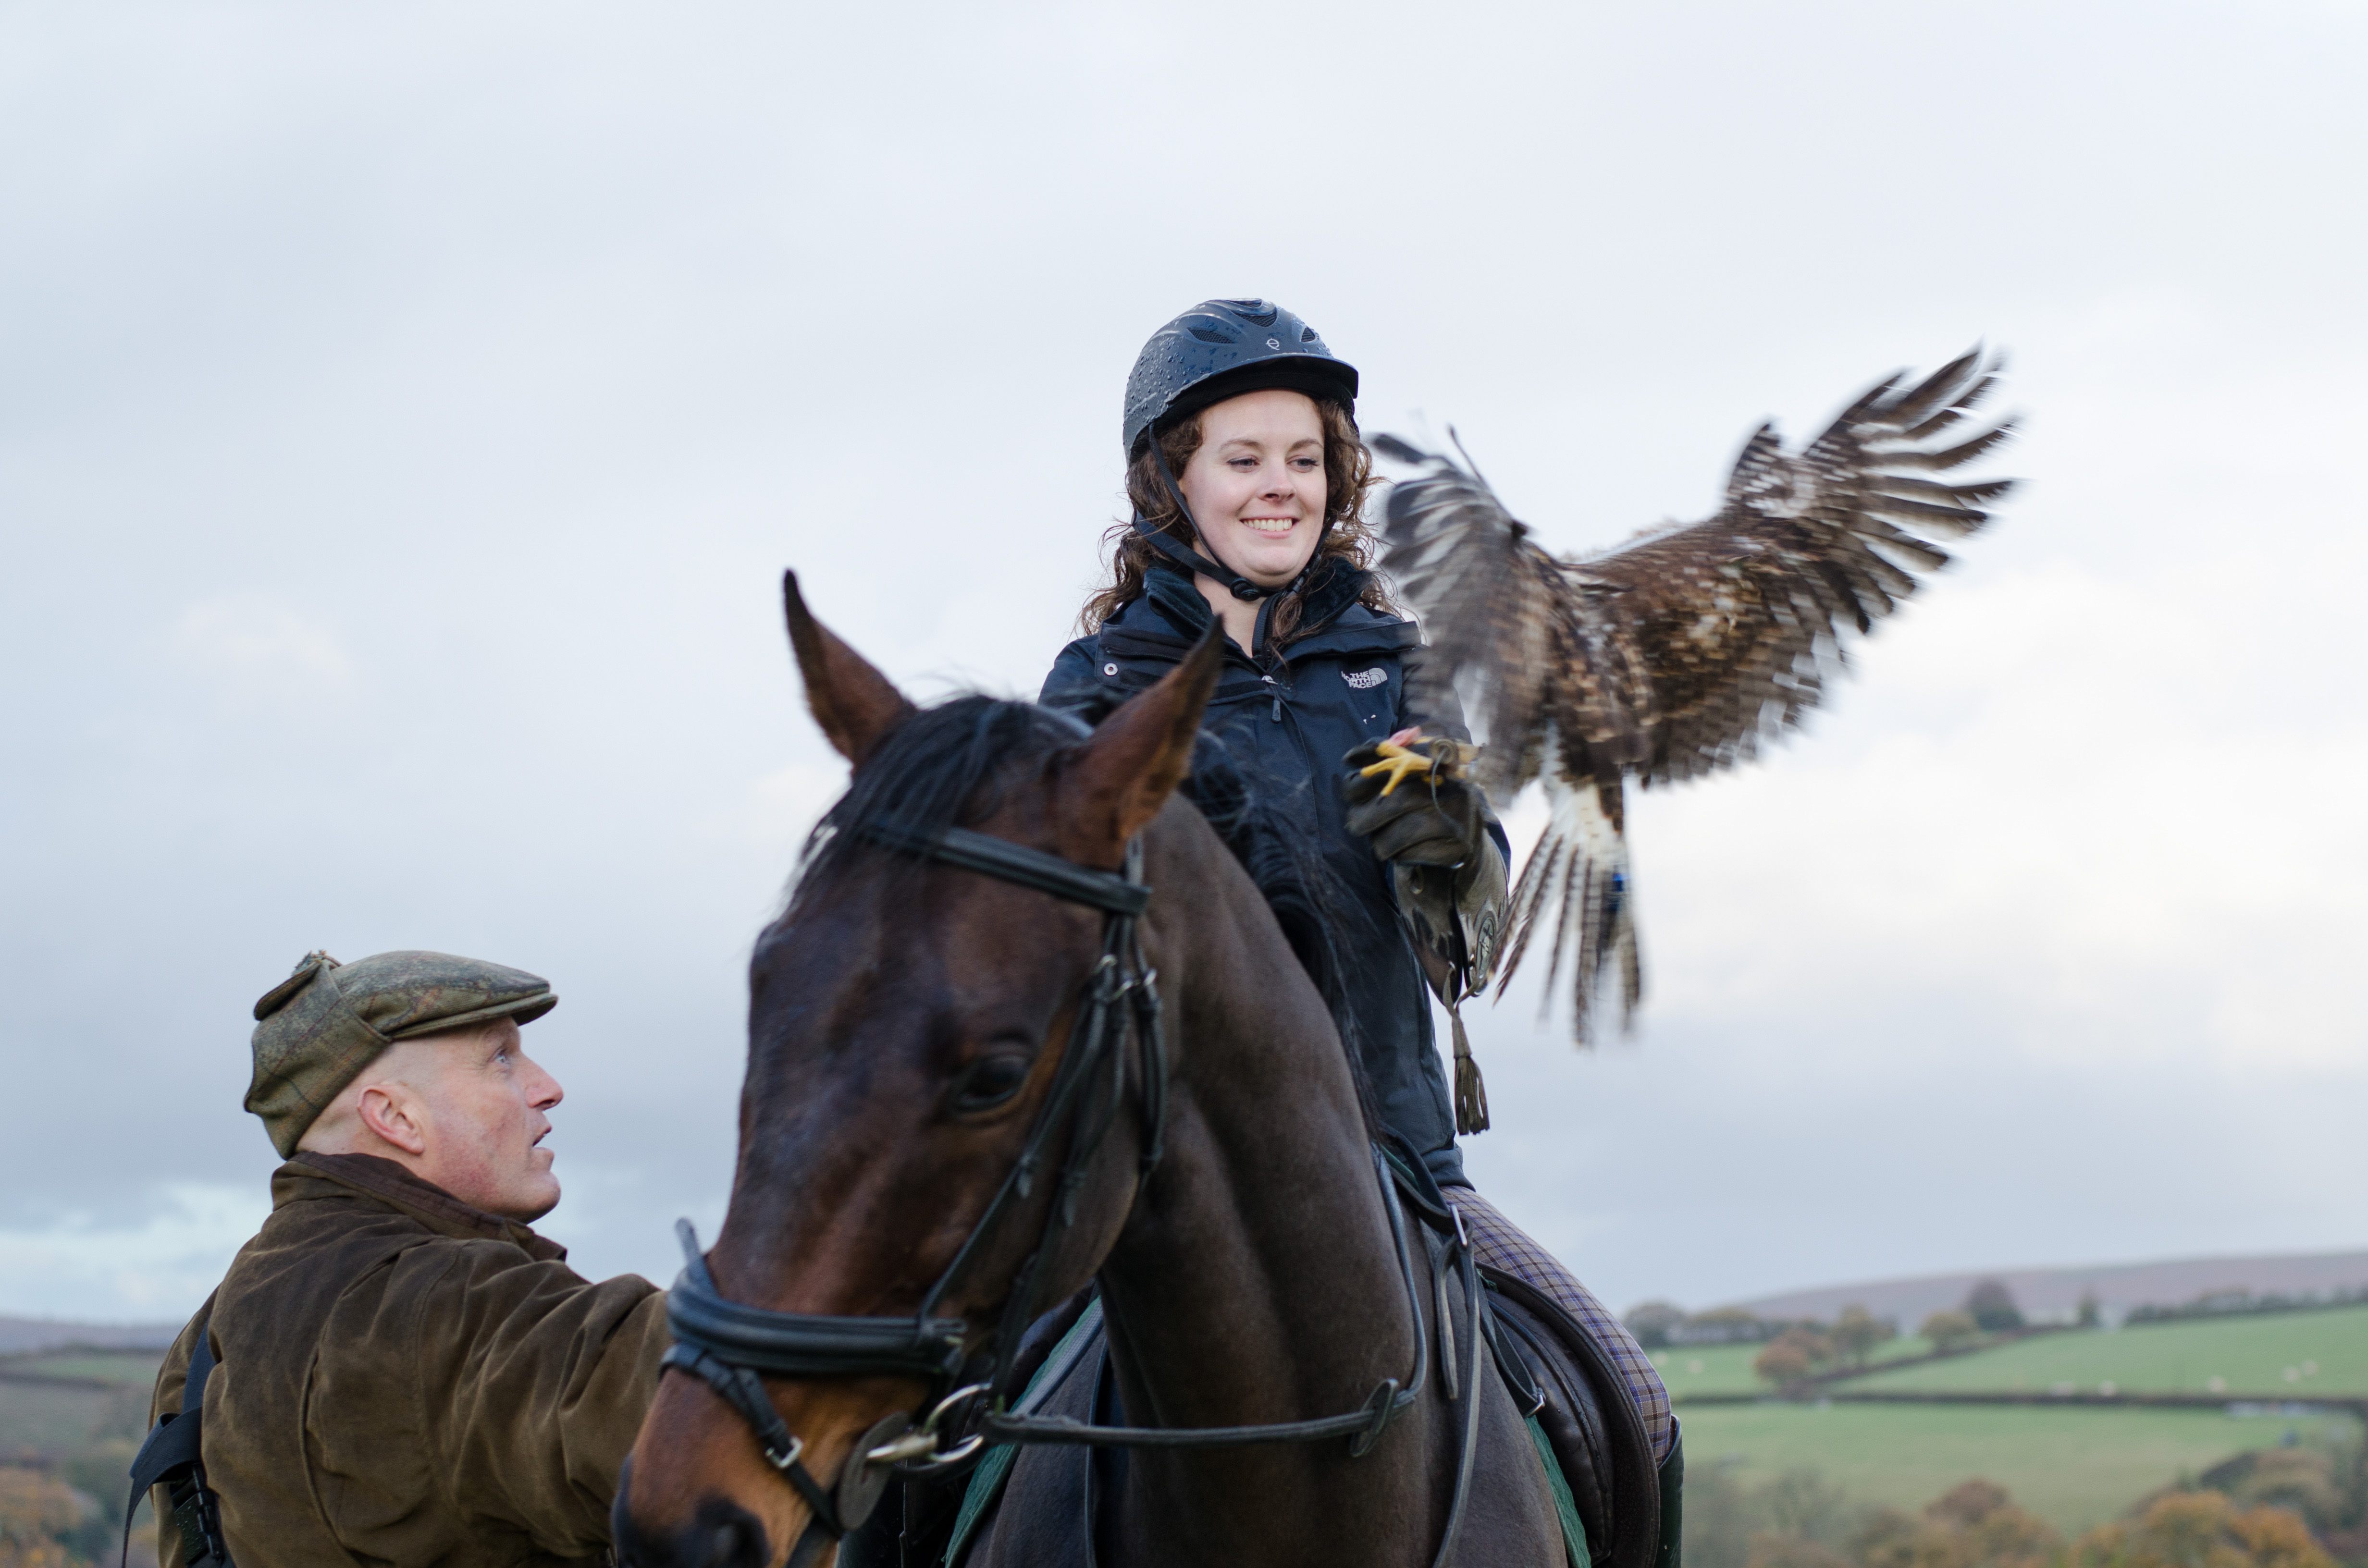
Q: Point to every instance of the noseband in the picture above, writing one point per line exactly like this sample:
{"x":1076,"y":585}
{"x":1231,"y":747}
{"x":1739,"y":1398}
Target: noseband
{"x":732,"y":1347}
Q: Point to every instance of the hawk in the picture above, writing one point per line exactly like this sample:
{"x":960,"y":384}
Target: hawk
{"x":1681,"y":652}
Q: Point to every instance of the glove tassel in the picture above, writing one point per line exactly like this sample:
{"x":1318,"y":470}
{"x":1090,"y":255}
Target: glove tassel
{"x":1471,"y":1094}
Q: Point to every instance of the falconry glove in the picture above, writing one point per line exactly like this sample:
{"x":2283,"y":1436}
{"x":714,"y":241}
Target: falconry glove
{"x":1430,"y":823}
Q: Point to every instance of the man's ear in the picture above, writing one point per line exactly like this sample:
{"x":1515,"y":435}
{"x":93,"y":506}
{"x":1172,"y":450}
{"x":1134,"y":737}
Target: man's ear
{"x":1115,"y":783}
{"x":392,"y":1117}
{"x":854,"y":703}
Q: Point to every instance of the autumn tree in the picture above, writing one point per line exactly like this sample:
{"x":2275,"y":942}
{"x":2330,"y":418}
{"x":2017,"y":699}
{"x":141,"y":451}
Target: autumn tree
{"x":35,"y":1510}
{"x":1793,"y":1356}
{"x":1781,"y":1364}
{"x":1974,"y":1525}
{"x":2325,"y":1487}
{"x":1949,"y":1331}
{"x":1857,"y":1332}
{"x":2201,"y":1530}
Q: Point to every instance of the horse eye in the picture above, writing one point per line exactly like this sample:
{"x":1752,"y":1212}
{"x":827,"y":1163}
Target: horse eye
{"x":990,"y":1081}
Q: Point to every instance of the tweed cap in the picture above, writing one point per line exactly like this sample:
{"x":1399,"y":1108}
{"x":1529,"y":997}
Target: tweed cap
{"x":318,"y":1029}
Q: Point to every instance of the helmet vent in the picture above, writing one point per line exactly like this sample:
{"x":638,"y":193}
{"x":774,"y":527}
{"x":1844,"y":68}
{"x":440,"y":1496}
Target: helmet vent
{"x":1225,"y":347}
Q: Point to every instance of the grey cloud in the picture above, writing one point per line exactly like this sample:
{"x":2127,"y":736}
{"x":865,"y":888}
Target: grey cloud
{"x":404,"y":418}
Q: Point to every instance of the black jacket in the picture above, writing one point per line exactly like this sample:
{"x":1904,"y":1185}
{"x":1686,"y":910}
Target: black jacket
{"x":1286,"y":722}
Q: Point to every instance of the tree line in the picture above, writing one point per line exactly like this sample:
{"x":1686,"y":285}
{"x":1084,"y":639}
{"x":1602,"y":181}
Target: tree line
{"x":1797,"y":1349}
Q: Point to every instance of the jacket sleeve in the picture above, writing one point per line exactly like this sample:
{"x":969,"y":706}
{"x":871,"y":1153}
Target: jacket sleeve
{"x":1076,"y":685}
{"x":533,"y":1382}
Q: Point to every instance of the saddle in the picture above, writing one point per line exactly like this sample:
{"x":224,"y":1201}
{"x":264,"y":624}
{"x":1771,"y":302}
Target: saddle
{"x":1629,"y":1506}
{"x":1619,"y":1508}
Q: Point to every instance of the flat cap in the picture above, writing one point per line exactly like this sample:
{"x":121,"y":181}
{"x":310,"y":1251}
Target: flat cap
{"x":318,"y":1029}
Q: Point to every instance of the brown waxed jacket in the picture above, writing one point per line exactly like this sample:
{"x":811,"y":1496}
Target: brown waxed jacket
{"x":405,"y":1379}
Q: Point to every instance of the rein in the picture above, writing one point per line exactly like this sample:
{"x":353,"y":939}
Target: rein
{"x":732,"y":1347}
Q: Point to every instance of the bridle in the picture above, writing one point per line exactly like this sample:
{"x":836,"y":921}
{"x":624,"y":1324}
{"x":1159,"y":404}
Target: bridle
{"x":732,"y":1347}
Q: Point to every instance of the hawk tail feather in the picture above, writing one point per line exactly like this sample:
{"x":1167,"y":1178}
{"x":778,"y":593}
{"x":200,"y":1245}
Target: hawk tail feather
{"x":1577,"y":878}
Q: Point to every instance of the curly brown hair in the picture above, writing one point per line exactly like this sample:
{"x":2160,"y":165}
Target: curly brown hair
{"x":1347,"y":480}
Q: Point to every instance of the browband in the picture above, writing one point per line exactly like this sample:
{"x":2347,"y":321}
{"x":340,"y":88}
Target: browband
{"x":1007,"y":861}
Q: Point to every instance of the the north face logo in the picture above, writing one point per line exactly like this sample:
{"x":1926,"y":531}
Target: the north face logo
{"x":1365,"y":680}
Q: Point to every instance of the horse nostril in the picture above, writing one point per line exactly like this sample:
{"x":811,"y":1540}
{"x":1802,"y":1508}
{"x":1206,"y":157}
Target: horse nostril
{"x":725,"y":1535}
{"x":721,"y":1535}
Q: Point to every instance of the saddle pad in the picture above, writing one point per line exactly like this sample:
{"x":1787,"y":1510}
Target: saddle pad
{"x":1080,"y":1347}
{"x":1574,"y":1532}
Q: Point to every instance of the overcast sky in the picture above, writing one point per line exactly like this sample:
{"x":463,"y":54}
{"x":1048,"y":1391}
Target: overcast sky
{"x":406,"y":413}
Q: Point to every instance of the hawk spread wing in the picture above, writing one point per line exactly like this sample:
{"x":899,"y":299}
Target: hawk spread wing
{"x":1682,"y":651}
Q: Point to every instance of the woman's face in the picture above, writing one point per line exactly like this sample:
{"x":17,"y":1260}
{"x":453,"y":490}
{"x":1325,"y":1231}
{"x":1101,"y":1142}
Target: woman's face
{"x":1256,"y":483}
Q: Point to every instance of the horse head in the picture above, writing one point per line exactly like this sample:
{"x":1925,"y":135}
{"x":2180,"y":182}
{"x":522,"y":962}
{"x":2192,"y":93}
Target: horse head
{"x":907,"y":1021}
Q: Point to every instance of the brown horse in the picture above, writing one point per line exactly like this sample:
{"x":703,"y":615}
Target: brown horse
{"x":906,"y":1022}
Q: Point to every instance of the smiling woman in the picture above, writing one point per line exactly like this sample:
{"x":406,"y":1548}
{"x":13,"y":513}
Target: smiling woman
{"x":1249,"y":481}
{"x":1257,"y":488}
{"x":1191,"y":493}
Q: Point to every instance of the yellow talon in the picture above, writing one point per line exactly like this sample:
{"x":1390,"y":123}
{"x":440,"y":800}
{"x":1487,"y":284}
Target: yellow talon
{"x":1397,"y":761}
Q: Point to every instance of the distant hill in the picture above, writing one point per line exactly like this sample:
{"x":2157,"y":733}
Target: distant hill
{"x":2054,"y":1294}
{"x":20,"y":1336}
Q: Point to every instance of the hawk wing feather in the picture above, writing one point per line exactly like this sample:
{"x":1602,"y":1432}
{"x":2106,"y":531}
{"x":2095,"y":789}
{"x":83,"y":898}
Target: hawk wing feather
{"x":1681,"y":652}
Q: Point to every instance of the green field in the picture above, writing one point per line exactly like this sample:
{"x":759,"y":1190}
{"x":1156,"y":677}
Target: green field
{"x":2074,"y":1468}
{"x":113,"y":1365}
{"x":2291,"y":1355}
{"x":49,"y":1419}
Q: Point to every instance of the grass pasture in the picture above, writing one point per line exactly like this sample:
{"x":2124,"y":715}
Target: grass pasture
{"x":2073,"y":1467}
{"x":54,"y":1418}
{"x":109,"y":1365}
{"x":2288,"y":1355}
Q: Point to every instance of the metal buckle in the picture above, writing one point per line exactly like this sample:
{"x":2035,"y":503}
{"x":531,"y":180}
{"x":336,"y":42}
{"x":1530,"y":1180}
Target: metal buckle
{"x":958,"y":1453}
{"x":780,"y":1460}
{"x":921,"y":1442}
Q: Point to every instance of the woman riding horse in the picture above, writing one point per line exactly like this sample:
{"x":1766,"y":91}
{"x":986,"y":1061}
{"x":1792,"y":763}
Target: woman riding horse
{"x":1247,"y":480}
{"x":1028,"y":1025}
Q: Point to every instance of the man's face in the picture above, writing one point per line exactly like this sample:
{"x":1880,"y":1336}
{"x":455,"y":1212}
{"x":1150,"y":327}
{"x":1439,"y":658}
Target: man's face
{"x":482,"y":1102}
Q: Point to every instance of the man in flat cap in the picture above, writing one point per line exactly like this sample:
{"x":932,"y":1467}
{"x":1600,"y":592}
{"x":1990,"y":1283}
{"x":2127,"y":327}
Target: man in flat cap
{"x":397,"y":1370}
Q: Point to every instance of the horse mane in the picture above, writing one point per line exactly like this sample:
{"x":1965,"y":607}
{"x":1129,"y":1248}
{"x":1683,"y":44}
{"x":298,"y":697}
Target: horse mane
{"x":944,"y":766}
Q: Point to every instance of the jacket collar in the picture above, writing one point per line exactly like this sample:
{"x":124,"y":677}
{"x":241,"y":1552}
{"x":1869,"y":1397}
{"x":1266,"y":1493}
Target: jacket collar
{"x":397,"y":1189}
{"x":1171,"y":607}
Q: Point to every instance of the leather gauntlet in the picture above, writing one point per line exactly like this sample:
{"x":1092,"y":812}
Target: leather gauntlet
{"x":1431,"y":825}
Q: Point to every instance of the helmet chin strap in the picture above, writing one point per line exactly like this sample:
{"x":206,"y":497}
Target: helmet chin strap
{"x":1192,"y":561}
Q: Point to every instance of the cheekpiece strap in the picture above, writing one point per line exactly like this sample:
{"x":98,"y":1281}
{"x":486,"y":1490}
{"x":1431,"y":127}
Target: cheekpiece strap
{"x":1009,"y":862}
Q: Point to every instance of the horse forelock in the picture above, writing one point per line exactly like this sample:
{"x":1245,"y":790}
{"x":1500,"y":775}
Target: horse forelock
{"x":955,"y":764}
{"x":941,"y":766}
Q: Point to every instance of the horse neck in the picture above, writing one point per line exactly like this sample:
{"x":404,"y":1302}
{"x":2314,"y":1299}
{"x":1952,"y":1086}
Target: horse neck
{"x":1256,"y":1279}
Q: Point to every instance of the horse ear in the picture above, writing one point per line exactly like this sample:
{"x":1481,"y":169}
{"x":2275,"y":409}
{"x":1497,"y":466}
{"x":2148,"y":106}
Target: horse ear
{"x":1118,"y":780}
{"x":854,"y":703}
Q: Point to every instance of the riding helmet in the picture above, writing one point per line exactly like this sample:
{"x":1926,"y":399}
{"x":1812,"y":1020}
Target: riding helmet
{"x":1221,"y":348}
